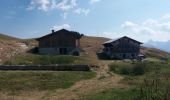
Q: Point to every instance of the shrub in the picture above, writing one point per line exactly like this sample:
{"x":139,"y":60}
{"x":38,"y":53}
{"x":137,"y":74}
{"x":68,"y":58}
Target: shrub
{"x":155,"y":88}
{"x":164,"y":59}
{"x":128,"y":68}
{"x":121,"y":68}
{"x":7,"y":63}
{"x":125,"y":70}
{"x":138,"y":70}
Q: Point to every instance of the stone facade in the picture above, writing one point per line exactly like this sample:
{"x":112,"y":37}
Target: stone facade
{"x":57,"y":51}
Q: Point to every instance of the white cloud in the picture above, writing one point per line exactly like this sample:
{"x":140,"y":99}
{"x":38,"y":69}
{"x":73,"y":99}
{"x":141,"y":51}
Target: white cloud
{"x":110,"y":35}
{"x":135,"y":28}
{"x":128,"y":24}
{"x":157,"y":30}
{"x":82,"y":11}
{"x":166,"y":16}
{"x":150,"y":22}
{"x":149,"y":29}
{"x":64,"y":26}
{"x":45,"y":5}
{"x":94,"y":1}
{"x":64,"y":5}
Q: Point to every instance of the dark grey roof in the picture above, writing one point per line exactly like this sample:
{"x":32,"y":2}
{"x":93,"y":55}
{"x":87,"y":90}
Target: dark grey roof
{"x":78,"y":35}
{"x":113,"y":40}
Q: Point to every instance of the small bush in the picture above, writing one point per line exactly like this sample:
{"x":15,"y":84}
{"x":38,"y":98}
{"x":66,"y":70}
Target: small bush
{"x":125,"y":70}
{"x":138,"y":70}
{"x":164,"y":59}
{"x":128,"y":68}
{"x":121,"y":68}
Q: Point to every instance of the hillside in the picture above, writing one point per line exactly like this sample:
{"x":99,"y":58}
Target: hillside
{"x":6,"y":37}
{"x":79,"y":85}
{"x":91,"y":45}
{"x":155,"y":53}
{"x":10,"y":46}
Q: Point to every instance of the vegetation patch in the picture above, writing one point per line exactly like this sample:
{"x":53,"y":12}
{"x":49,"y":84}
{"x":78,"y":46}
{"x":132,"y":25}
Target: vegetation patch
{"x":152,"y":87}
{"x":19,"y":81}
{"x":155,"y":88}
{"x":113,"y":94}
{"x":44,"y":60}
{"x":137,"y":68}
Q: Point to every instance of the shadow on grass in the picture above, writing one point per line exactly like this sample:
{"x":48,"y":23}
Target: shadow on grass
{"x":33,"y":50}
{"x":103,"y":56}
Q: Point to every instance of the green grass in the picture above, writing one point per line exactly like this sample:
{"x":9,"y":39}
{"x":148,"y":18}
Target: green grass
{"x":135,"y":73}
{"x":138,"y":68}
{"x":18,"y":81}
{"x":152,"y":89}
{"x":44,"y":60}
{"x":113,"y":94}
{"x":153,"y":84}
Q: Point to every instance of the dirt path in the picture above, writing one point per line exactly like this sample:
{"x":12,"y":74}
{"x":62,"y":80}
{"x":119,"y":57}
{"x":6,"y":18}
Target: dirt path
{"x":103,"y":80}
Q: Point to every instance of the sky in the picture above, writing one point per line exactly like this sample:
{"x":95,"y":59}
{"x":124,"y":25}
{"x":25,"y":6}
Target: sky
{"x":142,"y":20}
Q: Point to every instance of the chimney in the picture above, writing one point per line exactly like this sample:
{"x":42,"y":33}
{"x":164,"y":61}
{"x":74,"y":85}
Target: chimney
{"x":53,"y":31}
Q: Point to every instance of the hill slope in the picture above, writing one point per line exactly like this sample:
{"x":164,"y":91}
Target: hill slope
{"x":6,"y":37}
{"x":10,"y":46}
{"x":91,"y":45}
{"x":155,"y":53}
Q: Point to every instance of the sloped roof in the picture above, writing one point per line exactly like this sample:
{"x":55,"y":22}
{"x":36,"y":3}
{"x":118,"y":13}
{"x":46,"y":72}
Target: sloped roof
{"x":78,"y":35}
{"x":112,"y":40}
{"x":116,"y":39}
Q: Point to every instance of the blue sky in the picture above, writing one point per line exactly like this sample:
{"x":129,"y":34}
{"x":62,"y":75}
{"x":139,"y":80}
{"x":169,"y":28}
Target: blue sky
{"x":140,"y":19}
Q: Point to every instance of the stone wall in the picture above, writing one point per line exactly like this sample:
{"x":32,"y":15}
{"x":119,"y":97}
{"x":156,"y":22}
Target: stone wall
{"x":70,"y":50}
{"x":48,"y":68}
{"x":124,"y":56}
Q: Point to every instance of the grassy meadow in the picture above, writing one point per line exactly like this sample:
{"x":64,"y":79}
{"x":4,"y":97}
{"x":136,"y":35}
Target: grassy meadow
{"x":147,"y":80}
{"x":30,"y":59}
{"x":18,"y":81}
{"x":113,"y":94}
